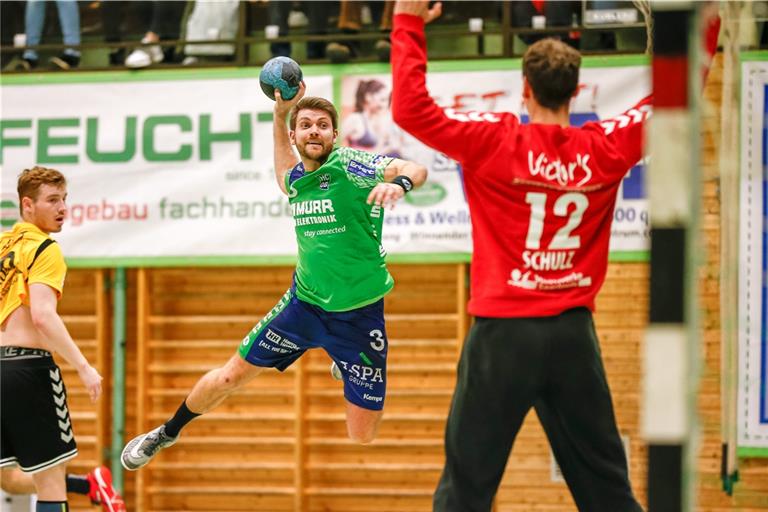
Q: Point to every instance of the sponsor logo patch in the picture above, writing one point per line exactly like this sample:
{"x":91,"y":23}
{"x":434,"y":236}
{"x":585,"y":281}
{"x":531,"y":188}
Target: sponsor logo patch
{"x":361,"y":170}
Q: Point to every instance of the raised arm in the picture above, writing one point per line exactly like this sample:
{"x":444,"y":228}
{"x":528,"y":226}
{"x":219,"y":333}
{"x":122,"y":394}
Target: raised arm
{"x":413,"y":109}
{"x":625,"y":131}
{"x":285,"y":157}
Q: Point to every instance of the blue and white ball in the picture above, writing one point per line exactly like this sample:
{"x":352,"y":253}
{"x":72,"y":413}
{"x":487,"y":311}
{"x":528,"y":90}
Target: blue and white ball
{"x":282,"y":73}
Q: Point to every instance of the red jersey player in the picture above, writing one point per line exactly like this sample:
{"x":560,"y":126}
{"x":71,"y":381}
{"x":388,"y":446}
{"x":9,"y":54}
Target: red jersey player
{"x":541,"y":197}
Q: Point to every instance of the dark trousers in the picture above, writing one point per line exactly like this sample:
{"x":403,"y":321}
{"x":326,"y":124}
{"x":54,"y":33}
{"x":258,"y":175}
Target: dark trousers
{"x":553,"y":364}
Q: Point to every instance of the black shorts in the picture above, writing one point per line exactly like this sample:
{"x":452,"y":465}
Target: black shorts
{"x":36,"y":431}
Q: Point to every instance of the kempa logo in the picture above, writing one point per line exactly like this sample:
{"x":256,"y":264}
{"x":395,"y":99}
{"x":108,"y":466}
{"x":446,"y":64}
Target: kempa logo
{"x":9,"y":212}
{"x":428,"y":195}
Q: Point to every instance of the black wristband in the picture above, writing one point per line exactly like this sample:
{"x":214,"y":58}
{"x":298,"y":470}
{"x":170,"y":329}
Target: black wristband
{"x":403,"y":181}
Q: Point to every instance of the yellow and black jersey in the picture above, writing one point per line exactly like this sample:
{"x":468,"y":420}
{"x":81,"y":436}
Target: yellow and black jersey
{"x":27,"y":256}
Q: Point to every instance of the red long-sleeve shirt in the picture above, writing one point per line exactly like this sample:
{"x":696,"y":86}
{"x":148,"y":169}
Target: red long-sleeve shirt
{"x":541,"y":197}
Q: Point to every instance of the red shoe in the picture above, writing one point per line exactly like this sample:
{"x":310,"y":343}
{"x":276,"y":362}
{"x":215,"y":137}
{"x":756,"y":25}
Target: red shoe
{"x":103,"y":492}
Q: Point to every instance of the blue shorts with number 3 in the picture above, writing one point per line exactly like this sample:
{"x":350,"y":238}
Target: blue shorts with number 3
{"x":356,"y":340}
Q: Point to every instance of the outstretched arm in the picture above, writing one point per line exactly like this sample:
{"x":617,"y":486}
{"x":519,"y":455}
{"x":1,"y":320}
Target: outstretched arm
{"x":285,"y":158}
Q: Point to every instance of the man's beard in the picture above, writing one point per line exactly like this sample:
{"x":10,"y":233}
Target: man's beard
{"x":321,"y":158}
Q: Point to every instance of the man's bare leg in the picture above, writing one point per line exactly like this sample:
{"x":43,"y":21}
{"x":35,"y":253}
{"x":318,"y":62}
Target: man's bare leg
{"x":362,"y":424}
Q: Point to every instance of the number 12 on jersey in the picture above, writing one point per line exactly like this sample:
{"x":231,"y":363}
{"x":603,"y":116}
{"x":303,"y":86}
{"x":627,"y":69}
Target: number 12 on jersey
{"x":563,"y":239}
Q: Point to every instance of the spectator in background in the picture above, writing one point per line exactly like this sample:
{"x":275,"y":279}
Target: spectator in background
{"x":211,"y":21}
{"x":317,"y":13}
{"x":559,"y":14}
{"x":11,"y":24}
{"x":351,"y":22}
{"x":164,"y":25}
{"x":112,"y":14}
{"x":69,"y":19}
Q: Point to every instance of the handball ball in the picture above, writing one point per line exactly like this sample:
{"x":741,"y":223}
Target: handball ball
{"x":282,"y":73}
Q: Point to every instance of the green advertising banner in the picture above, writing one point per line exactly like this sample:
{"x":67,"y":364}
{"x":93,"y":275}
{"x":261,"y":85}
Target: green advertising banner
{"x":175,"y":167}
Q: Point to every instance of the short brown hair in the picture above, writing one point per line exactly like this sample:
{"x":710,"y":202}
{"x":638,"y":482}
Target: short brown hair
{"x":552,"y":70}
{"x":30,"y":181}
{"x":314,"y":103}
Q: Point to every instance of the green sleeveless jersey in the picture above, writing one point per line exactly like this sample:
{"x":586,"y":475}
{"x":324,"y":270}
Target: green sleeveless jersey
{"x":341,"y":259}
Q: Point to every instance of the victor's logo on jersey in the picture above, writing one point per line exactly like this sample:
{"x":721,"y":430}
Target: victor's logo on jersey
{"x":360,"y":169}
{"x":564,"y":173}
{"x":325,"y":181}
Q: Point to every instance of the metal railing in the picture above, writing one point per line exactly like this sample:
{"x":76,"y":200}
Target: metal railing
{"x":243,"y":43}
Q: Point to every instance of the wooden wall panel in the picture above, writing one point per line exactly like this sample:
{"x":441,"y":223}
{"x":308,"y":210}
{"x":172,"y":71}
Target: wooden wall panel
{"x":243,"y":450}
{"x":83,"y":310}
{"x":250,"y":445}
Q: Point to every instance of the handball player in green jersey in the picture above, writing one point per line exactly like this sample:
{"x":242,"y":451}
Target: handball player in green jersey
{"x":338,"y":196}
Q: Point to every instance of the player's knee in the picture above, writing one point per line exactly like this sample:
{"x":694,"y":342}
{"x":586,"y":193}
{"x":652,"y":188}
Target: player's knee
{"x":228,"y":381}
{"x":8,"y":485}
{"x":232,"y":377}
{"x":14,"y":481}
{"x":362,"y":435}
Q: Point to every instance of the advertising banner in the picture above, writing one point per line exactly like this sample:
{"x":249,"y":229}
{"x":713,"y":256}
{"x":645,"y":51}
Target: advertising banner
{"x":436,"y":218}
{"x":753,"y":268}
{"x":175,"y":167}
{"x":179,"y":168}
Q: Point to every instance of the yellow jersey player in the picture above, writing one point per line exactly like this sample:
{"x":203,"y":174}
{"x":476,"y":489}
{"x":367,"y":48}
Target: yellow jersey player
{"x":36,"y":428}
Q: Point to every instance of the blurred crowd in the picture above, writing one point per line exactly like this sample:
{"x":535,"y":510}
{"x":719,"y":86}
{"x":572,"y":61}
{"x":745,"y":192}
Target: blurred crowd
{"x":138,"y":34}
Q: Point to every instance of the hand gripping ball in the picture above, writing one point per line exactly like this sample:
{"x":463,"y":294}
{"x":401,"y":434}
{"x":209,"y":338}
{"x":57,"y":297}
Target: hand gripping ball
{"x":282,"y":73}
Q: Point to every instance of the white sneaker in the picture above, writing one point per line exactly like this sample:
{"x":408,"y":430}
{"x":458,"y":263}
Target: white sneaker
{"x":140,"y":450}
{"x":297,"y":19}
{"x":145,"y":56}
